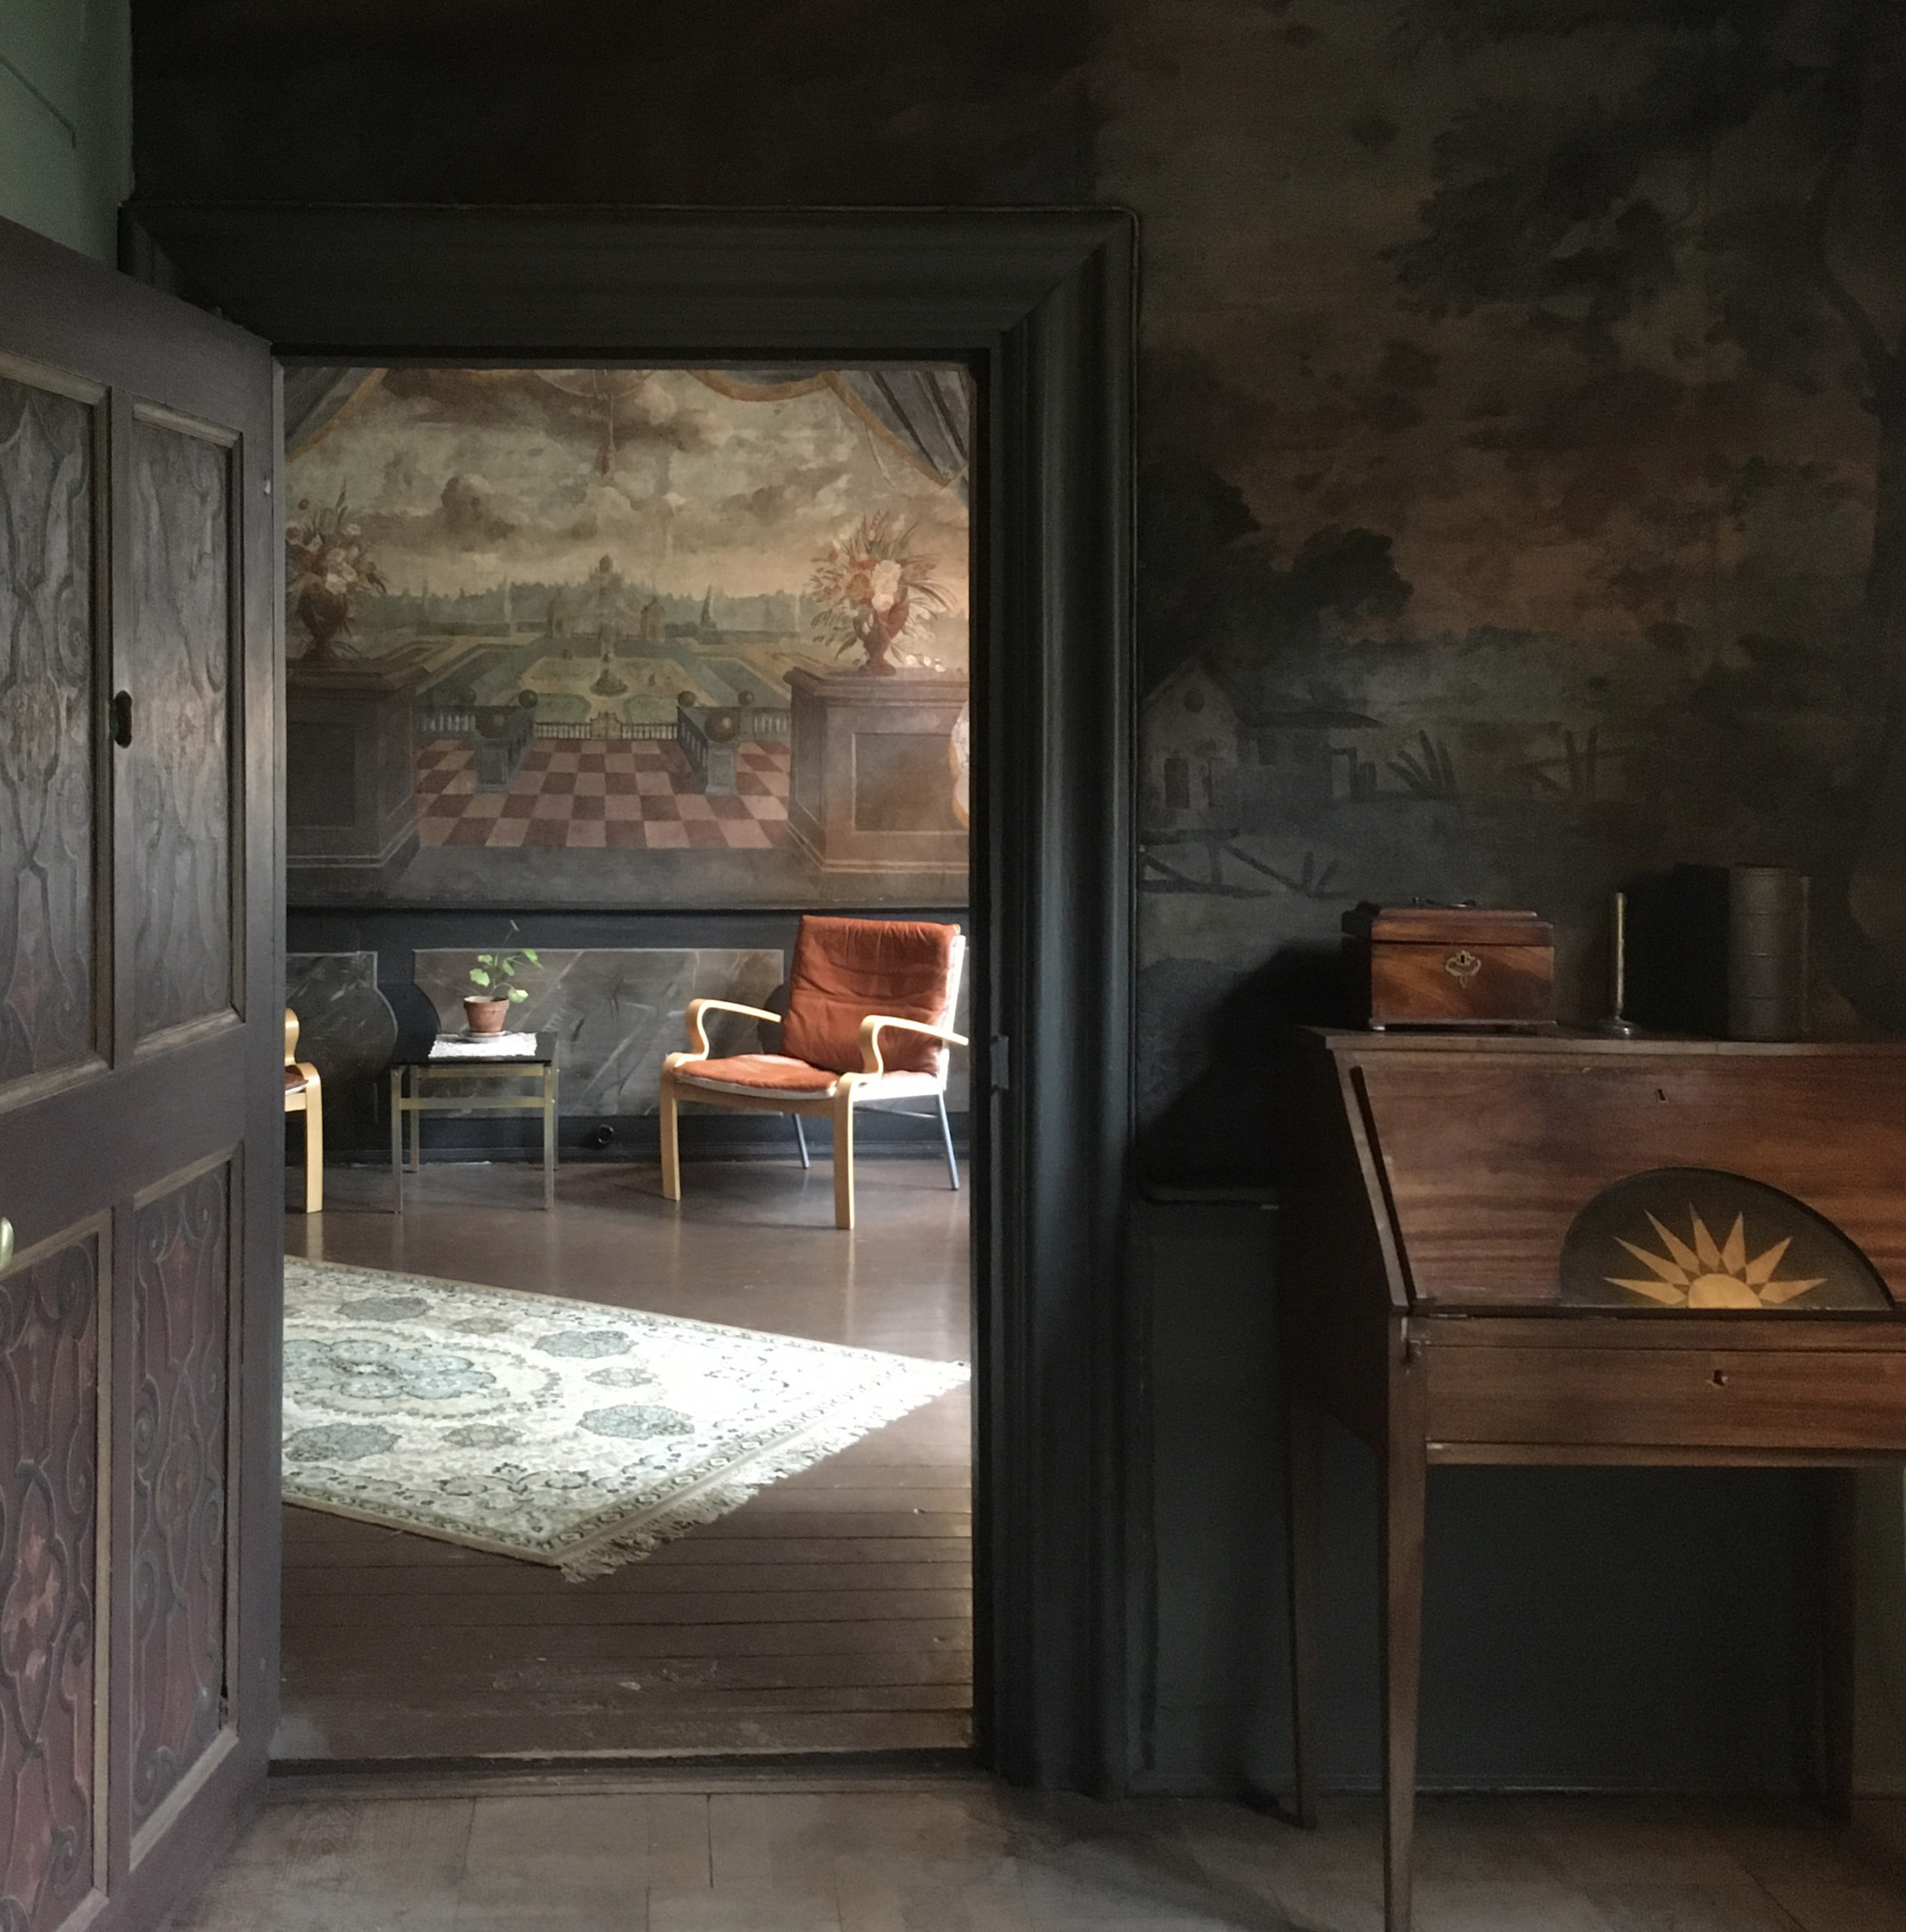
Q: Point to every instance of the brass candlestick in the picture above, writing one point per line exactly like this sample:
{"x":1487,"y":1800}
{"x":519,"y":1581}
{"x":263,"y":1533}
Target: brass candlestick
{"x":1617,"y":1025}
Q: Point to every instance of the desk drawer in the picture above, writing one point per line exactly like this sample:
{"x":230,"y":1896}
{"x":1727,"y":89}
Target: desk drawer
{"x":1823,"y":1399}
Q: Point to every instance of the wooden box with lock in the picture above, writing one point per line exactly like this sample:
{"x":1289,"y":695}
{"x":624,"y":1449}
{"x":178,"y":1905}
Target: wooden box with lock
{"x":1452,"y":966}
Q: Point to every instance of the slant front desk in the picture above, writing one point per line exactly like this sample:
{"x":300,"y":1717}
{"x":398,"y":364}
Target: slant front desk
{"x":1578,"y":1249}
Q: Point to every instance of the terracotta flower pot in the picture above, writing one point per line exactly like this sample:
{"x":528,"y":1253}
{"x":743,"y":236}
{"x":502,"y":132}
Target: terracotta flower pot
{"x":486,"y":1016}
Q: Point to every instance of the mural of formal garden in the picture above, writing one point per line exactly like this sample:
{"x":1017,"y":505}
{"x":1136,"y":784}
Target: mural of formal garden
{"x":656,"y":637}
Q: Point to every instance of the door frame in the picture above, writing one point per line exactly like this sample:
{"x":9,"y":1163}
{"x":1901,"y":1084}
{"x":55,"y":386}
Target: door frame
{"x":1041,"y":304}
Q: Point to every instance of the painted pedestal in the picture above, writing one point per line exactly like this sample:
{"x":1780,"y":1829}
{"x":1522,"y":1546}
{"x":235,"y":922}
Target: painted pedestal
{"x":351,"y":785}
{"x":871,"y":787}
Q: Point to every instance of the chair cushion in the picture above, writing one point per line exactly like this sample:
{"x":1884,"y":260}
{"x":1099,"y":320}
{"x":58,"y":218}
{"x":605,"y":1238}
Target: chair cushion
{"x":294,"y":1081}
{"x":767,"y":1073}
{"x":845,"y":969}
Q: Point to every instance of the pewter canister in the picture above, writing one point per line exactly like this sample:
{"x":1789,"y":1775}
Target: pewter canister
{"x":1766,"y":953}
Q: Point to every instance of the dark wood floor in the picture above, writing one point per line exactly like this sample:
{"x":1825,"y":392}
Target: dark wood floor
{"x":832,"y":1613}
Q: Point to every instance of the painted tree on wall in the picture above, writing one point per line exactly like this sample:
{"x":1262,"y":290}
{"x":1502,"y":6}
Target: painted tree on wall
{"x":1759,"y":154}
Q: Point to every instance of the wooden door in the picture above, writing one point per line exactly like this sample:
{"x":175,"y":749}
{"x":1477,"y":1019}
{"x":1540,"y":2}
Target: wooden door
{"x":141,"y":1090}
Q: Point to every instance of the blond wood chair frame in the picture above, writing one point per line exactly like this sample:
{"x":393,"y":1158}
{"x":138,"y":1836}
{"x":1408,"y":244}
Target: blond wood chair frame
{"x":308,"y":1100}
{"x":837,"y":1104}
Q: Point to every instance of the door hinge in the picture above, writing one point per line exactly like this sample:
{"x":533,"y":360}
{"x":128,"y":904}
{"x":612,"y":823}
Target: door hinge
{"x":122,"y":718}
{"x":998,"y":1063}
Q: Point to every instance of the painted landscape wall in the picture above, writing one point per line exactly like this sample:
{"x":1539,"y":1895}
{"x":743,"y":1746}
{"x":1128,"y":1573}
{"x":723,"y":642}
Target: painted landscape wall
{"x":1522,"y":513}
{"x":649,"y":637}
{"x":1522,"y":405}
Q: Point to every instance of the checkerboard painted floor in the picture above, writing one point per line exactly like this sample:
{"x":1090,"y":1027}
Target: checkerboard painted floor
{"x":611,"y":794}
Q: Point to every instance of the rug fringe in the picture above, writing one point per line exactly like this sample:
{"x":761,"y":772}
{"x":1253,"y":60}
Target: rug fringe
{"x":610,"y":1550}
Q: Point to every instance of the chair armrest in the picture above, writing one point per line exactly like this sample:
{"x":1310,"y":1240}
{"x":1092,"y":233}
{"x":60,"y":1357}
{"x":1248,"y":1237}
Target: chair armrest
{"x":698,"y":1034}
{"x":876,"y":1024}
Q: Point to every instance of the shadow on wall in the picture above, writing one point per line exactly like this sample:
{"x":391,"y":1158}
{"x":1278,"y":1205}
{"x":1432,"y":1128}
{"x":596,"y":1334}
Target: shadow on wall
{"x":1205,"y":1044}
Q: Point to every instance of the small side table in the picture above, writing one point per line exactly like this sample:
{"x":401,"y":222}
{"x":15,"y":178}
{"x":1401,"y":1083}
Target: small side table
{"x":510,"y":1060}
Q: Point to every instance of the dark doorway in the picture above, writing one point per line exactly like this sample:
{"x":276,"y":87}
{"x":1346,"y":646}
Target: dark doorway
{"x":1041,"y":305}
{"x":644,"y":664}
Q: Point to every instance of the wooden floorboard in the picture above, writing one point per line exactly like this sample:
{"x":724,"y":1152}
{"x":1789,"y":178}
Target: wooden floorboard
{"x":378,"y":1734}
{"x":596,"y":1680}
{"x":671,"y":1611}
{"x":832,"y":1613}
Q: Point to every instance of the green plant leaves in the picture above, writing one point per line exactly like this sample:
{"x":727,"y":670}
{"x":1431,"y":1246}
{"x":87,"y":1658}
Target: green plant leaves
{"x":498,"y":969}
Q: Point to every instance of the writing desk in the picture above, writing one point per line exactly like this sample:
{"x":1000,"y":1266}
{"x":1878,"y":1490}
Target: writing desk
{"x":1465,"y":1275}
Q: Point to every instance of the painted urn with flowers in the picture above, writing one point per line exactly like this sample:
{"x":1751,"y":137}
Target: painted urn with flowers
{"x":329,"y":571}
{"x":872,"y":593}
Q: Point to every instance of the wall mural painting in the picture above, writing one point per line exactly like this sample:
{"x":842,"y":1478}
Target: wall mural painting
{"x":628,"y":638}
{"x":1524,"y":489}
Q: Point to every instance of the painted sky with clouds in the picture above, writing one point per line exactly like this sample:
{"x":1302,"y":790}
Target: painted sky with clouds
{"x":460,"y":478}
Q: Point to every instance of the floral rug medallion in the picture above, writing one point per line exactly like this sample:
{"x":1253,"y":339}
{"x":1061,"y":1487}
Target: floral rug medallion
{"x":564,"y":1432}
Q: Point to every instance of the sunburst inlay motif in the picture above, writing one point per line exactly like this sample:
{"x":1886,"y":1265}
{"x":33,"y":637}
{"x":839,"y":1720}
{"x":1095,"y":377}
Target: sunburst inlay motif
{"x":1710,"y":1274}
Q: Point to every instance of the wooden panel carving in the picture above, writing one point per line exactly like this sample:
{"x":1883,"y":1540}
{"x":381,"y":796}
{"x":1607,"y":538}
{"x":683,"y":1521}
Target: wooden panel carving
{"x":49,"y":1434}
{"x":46,"y":739}
{"x":180,"y":1300}
{"x":182,"y":734}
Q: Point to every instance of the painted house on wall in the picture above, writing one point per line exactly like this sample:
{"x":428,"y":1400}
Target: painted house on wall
{"x":1215,"y":761}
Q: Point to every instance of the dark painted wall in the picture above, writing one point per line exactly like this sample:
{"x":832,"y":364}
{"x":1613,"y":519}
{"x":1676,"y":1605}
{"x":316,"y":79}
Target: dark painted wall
{"x":1524,"y":506}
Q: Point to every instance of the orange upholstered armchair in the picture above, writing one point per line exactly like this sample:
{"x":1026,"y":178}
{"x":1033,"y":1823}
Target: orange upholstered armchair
{"x":869,"y":1012}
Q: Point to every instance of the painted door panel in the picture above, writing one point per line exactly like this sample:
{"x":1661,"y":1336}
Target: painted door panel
{"x":140,"y":1113}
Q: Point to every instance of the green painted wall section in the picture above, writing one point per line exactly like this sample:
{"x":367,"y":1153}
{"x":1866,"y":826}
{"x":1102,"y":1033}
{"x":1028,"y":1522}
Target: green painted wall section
{"x":65,"y":118}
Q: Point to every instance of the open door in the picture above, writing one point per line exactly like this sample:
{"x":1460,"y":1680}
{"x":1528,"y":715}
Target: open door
{"x":140,"y":1094}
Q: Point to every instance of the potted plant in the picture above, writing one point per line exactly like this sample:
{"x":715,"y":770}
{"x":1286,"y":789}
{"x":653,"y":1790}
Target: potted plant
{"x":496,"y":972}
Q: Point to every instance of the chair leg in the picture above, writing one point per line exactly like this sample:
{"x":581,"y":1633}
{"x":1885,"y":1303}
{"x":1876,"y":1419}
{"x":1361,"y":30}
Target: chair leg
{"x":314,"y":1146}
{"x":946,"y":1134}
{"x":399,"y":1087}
{"x":801,"y":1135}
{"x":549,"y":1138}
{"x":844,"y":1162}
{"x":671,"y":1144}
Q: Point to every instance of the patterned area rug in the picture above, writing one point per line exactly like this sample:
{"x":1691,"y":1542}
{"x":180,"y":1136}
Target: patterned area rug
{"x":564,"y":1432}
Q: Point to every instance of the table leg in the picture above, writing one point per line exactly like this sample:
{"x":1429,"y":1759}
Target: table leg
{"x":1303,"y":1524}
{"x":1405,"y":1488}
{"x":548,"y":1139}
{"x":397,"y":1137}
{"x":1839,"y":1574}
